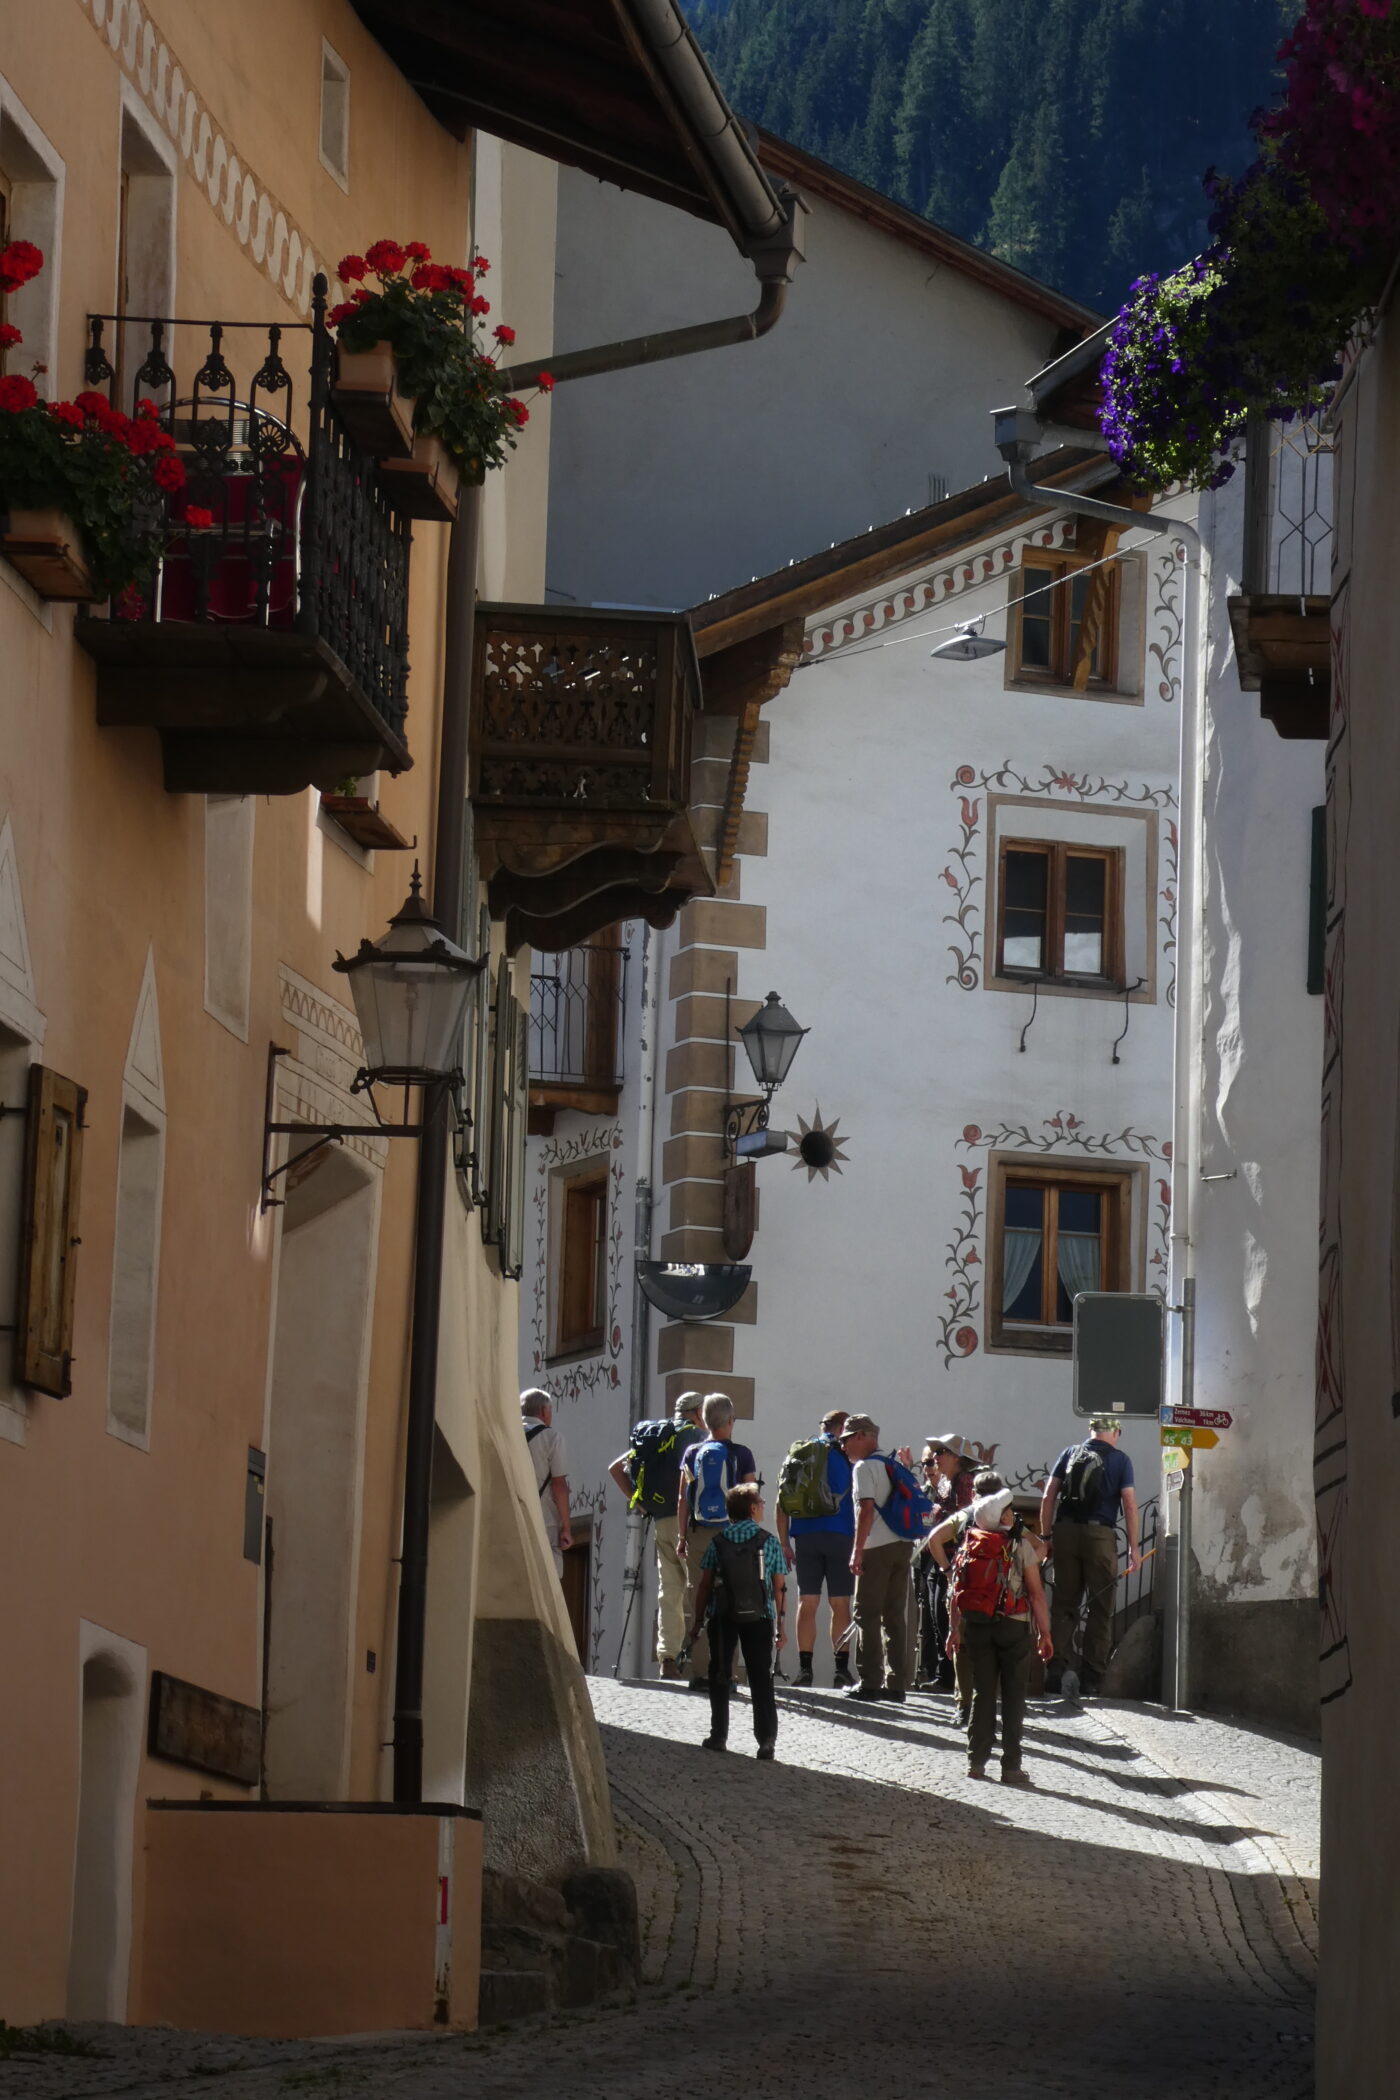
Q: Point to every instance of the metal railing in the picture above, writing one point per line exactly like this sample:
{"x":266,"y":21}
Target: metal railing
{"x":1135,"y":1591}
{"x":577,"y":1000}
{"x":1288,"y":510}
{"x":300,"y":533}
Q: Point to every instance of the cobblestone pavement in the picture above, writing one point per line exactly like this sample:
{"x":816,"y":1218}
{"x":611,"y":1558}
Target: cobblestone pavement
{"x":861,"y":1919}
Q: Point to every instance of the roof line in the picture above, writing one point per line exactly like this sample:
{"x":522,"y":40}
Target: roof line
{"x":818,"y":176}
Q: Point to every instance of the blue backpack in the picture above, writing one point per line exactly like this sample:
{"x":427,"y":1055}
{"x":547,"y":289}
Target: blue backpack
{"x":907,"y":1510}
{"x":714,"y":1467}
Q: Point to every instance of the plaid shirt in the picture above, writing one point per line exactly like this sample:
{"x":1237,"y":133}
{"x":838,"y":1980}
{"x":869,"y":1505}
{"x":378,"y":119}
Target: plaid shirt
{"x":773,"y":1562}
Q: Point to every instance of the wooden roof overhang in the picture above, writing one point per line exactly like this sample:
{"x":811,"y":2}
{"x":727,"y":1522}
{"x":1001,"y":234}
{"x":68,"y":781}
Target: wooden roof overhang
{"x":579,"y":82}
{"x":1283,"y":651}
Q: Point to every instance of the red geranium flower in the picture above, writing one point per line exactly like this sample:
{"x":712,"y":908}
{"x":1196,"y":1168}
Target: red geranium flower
{"x":17,"y":392}
{"x":67,"y":412}
{"x":340,"y":313}
{"x":168,"y":473}
{"x":417,"y":251}
{"x":545,"y":382}
{"x":504,"y":334}
{"x":481,"y":306}
{"x":351,"y":268}
{"x":146,"y":409}
{"x":9,"y":335}
{"x":479,"y":262}
{"x":385,"y":258}
{"x":516,"y":410}
{"x":198,"y":517}
{"x":19,"y":261}
{"x":430,"y":277}
{"x":463,"y":279}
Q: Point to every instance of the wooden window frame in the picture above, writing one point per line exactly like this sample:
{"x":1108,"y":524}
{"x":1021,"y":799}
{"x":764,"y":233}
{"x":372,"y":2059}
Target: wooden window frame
{"x":582,"y":1263}
{"x":1059,"y":675}
{"x":1120,"y":1184}
{"x":1058,"y":852}
{"x":48,"y":1232}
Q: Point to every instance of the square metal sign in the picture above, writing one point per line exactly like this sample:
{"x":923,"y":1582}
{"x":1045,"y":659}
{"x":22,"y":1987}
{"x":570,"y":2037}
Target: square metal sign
{"x":1119,"y":1353}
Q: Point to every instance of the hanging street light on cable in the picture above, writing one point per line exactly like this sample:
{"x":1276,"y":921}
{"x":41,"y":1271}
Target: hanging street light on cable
{"x":967,"y":645}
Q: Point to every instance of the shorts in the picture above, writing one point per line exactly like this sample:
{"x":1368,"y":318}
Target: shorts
{"x":824,"y":1557}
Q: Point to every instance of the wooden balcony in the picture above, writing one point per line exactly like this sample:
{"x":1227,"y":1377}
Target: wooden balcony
{"x":1281,"y":619}
{"x":580,"y":769}
{"x":270,"y":648}
{"x":1283,"y":652}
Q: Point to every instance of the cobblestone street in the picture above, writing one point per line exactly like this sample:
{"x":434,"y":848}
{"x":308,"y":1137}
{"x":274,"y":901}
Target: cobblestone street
{"x":861,"y":1918}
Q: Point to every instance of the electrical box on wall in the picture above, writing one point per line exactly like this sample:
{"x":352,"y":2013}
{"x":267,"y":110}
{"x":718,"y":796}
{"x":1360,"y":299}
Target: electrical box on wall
{"x":1118,"y":1354}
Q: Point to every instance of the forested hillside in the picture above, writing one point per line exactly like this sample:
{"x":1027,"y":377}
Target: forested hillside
{"x":1067,"y":136}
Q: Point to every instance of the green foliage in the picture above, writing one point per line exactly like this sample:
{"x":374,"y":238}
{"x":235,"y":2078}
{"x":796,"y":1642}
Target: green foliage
{"x":46,"y":2040}
{"x":1067,"y":136}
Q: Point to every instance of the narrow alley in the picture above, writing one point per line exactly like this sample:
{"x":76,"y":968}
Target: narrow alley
{"x":861,"y":1918}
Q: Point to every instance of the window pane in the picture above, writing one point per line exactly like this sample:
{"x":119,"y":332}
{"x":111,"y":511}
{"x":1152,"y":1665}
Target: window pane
{"x":1022,"y":1253}
{"x":1080,"y":1248}
{"x":1086,"y":898}
{"x":1078,"y":593}
{"x":1023,"y":911}
{"x":1037,"y":609}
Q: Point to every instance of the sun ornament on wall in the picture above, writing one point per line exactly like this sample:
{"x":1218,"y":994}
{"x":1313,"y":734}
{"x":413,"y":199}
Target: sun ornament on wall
{"x":819,"y":1149}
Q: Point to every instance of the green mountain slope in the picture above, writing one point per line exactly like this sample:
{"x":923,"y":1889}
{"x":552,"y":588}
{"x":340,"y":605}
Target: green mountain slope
{"x":1067,"y":136}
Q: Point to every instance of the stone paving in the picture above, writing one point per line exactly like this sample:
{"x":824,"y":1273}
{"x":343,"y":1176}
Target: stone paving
{"x":860,"y":1918}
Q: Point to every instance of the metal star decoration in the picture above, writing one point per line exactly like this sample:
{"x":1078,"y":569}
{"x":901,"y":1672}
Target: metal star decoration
{"x":819,"y":1149}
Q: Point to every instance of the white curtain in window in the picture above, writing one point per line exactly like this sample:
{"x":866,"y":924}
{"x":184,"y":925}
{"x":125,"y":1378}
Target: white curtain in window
{"x":1079,"y":1262}
{"x":1020,"y":1245}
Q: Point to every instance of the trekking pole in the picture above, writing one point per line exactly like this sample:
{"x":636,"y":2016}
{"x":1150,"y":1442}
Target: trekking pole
{"x":633,"y":1584}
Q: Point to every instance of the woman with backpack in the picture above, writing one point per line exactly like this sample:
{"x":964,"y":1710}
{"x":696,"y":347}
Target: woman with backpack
{"x":949,"y":1467}
{"x":742,"y":1596}
{"x":994,"y":1597}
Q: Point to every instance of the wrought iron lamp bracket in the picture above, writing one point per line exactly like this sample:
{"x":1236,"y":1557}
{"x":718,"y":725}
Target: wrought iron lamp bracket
{"x":742,"y":1119}
{"x":336,"y":1133}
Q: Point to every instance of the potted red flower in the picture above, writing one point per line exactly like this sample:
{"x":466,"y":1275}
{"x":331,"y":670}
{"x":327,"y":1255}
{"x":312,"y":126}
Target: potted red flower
{"x":424,"y":318}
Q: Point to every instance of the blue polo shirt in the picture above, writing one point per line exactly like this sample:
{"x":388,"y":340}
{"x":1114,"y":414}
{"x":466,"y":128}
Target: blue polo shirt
{"x":1117,"y":1475}
{"x":838,"y":1478}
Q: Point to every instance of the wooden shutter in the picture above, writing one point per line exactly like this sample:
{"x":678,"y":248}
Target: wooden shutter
{"x":53,"y":1158}
{"x":497,"y":1132}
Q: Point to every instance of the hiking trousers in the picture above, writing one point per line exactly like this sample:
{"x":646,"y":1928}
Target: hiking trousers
{"x":671,"y":1590}
{"x":999,"y":1650}
{"x":1085,"y":1565}
{"x":696,"y":1543}
{"x":755,"y":1640}
{"x":883,"y":1609}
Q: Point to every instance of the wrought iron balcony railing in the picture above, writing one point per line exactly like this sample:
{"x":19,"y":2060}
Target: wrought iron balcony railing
{"x":577,"y":1001}
{"x":271,"y":646}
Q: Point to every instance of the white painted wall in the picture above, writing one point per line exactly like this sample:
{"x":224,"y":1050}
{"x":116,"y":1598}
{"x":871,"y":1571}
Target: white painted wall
{"x":681,"y":480}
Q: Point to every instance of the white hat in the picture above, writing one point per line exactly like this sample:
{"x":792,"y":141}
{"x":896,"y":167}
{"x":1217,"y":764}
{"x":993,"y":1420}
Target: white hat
{"x":988,"y":1510}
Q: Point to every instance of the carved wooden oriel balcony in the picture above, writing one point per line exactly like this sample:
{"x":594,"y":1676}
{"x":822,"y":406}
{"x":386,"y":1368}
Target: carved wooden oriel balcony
{"x":1282,"y":618}
{"x":270,"y":649}
{"x":580,"y":769}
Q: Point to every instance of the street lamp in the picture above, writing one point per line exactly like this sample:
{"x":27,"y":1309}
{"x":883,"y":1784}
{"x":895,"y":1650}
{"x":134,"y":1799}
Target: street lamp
{"x":410,"y":990}
{"x":967,"y":645}
{"x":771,"y":1039}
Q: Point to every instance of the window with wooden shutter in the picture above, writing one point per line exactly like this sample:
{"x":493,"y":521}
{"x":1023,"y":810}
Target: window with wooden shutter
{"x":581,"y":1308}
{"x":53,"y":1156}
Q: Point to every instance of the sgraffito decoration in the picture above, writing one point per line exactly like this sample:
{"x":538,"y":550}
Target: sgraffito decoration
{"x":964,"y":872}
{"x":1165,"y":648}
{"x":603,"y":1371}
{"x":892,"y":608}
{"x":593,"y":1502}
{"x":1060,"y":1134}
{"x":1330,"y":1429}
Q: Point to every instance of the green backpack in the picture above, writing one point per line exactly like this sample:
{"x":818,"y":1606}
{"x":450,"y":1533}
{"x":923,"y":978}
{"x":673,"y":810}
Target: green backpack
{"x":803,"y":1488}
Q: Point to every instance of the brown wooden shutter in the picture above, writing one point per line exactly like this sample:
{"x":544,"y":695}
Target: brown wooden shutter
{"x":53,"y":1158}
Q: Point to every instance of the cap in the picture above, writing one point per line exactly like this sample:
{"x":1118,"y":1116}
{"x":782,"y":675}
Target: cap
{"x":1104,"y":1425}
{"x":859,"y":1425}
{"x":687,"y":1404}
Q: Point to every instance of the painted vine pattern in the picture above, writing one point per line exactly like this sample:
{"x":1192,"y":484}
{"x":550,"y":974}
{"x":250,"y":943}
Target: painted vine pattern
{"x":1166,"y":605}
{"x":603,"y":1371}
{"x":1062,"y":1133}
{"x":593,"y":1502}
{"x":960,"y":873}
{"x":890,"y":610}
{"x":1166,"y":917}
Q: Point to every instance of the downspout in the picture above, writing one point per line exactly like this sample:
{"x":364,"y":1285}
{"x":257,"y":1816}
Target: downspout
{"x":1017,"y":433}
{"x":634,"y":1567}
{"x":775,"y":248}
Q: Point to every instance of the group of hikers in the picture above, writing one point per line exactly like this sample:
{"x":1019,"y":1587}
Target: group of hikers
{"x":929,"y":1570}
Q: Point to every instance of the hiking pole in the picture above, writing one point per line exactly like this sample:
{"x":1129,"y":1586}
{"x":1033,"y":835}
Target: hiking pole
{"x":633,"y":1582}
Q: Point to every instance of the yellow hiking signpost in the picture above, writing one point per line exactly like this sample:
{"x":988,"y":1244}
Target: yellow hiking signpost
{"x":1191,"y":1439}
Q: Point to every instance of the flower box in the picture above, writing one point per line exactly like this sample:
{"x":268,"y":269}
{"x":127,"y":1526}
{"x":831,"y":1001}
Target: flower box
{"x":366,"y":393}
{"x":427,"y":484}
{"x":360,"y":819}
{"x":46,"y":548}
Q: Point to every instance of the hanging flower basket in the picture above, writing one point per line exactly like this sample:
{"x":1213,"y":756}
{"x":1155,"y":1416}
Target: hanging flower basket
{"x":46,"y":549}
{"x":373,"y":410}
{"x":425,"y":485}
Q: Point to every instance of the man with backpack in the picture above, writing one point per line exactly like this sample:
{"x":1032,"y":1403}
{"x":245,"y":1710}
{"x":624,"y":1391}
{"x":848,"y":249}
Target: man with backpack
{"x":891,"y":1513}
{"x":709,"y":1469}
{"x":994,"y":1596}
{"x":743,"y":1590}
{"x":551,"y":1463}
{"x":1089,"y":1483}
{"x":649,"y":1475}
{"x":816,"y":1527}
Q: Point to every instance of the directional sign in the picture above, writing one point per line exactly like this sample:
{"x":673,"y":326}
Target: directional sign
{"x":1190,"y":1439}
{"x":1198,"y":1417}
{"x":1175,"y":1460}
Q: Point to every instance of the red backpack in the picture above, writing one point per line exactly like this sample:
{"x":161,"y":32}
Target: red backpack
{"x":982,"y":1573}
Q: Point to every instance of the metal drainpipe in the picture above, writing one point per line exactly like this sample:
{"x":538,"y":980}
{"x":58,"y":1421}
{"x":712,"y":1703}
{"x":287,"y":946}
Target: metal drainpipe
{"x":1017,"y":433}
{"x":775,"y":263}
{"x":634,"y":1575}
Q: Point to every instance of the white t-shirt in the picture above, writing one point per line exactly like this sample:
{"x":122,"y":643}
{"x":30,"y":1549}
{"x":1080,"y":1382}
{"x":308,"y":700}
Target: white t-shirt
{"x":547,"y":1453}
{"x":870,"y":1482}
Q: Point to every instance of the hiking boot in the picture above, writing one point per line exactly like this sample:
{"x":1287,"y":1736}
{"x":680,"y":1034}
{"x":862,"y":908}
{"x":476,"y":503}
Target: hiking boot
{"x":669,"y":1668}
{"x":765,"y":1750}
{"x":714,"y":1742}
{"x":962,"y":1715}
{"x":1089,"y":1685}
{"x":897,"y":1697}
{"x":804,"y":1677}
{"x":977,"y":1771}
{"x":865,"y":1691}
{"x":843,"y":1679}
{"x":1016,"y":1777}
{"x":699,"y":1684}
{"x":1053,"y":1685}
